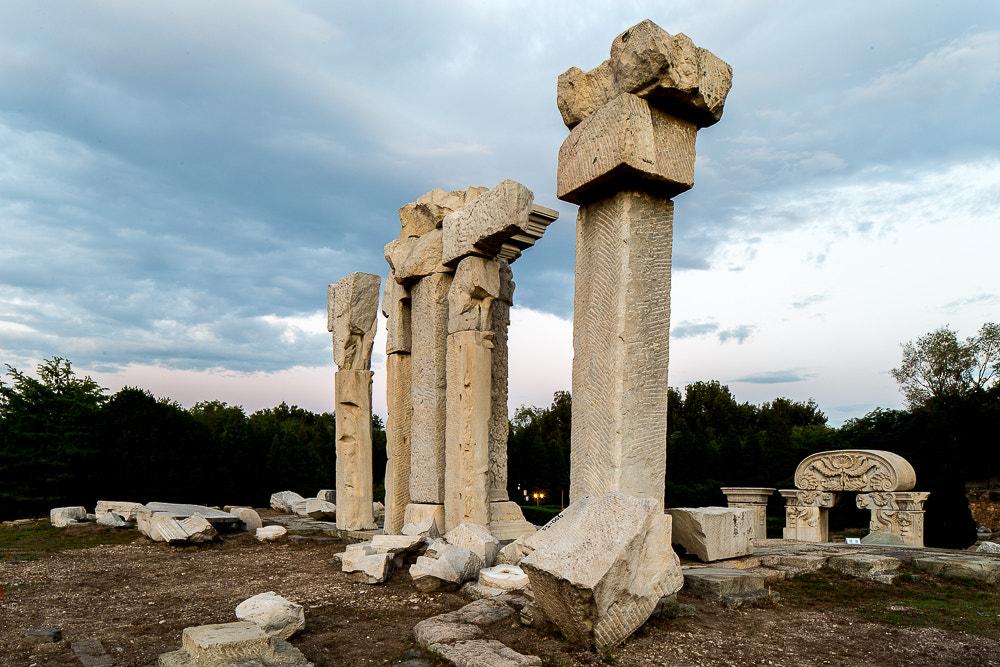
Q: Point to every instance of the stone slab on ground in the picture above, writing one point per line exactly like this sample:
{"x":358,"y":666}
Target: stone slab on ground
{"x":971,"y":567}
{"x":715,"y":583}
{"x":180,"y":511}
{"x":713,"y":533}
{"x":125,"y":508}
{"x":484,"y":653}
{"x":873,"y":567}
{"x":270,"y":533}
{"x":239,"y":644}
{"x":91,"y":653}
{"x":43,"y":636}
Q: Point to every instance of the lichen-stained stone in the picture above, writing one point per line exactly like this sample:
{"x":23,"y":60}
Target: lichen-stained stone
{"x":713,"y":533}
{"x":626,"y":144}
{"x":621,"y":325}
{"x":671,"y":72}
{"x":483,"y":226}
{"x":467,"y":455}
{"x":352,"y":307}
{"x":397,"y":438}
{"x":429,"y":383}
{"x":473,"y":291}
{"x":426,"y":214}
{"x":600,"y":567}
{"x":354,"y":450}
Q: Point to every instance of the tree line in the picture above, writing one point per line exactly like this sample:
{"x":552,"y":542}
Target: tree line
{"x":65,"y":441}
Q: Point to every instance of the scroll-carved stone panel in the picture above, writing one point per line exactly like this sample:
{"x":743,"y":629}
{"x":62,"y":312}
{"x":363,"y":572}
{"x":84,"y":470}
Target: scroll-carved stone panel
{"x":863,"y":470}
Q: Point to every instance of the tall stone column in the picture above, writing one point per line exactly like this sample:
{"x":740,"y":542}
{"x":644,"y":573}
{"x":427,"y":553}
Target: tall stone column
{"x":352,"y":306}
{"x":396,"y":308}
{"x":633,"y":122}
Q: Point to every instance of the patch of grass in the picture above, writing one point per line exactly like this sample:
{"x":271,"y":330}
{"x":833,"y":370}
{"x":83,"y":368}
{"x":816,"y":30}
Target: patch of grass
{"x":912,"y":601}
{"x":42,"y":539}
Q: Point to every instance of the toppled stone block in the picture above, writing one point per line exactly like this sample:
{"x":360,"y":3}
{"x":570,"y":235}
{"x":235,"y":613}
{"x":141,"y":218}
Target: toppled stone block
{"x":112,"y":520}
{"x":424,"y":527}
{"x":275,"y":615}
{"x":60,"y":517}
{"x":600,"y":567}
{"x":248,"y":517}
{"x":270,"y":533}
{"x":299,"y":507}
{"x":160,"y":527}
{"x":475,"y":538}
{"x":321,"y":510}
{"x":179,"y":511}
{"x":445,"y":567}
{"x":365,"y":565}
{"x":882,"y":569}
{"x":240,"y":644}
{"x":126,"y":509}
{"x":198,"y":529}
{"x":713,"y":533}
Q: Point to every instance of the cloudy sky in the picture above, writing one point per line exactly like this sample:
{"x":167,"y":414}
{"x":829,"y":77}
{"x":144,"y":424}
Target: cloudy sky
{"x":179,"y":181}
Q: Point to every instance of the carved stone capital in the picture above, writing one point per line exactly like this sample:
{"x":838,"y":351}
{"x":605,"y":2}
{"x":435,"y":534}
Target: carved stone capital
{"x":808,"y":498}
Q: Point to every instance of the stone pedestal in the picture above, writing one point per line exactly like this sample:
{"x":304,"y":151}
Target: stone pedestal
{"x":354,"y":450}
{"x":752,"y":498}
{"x":898,"y":512}
{"x":807,"y":514}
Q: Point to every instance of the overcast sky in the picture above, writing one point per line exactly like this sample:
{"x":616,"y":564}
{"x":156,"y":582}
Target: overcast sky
{"x":179,"y":181}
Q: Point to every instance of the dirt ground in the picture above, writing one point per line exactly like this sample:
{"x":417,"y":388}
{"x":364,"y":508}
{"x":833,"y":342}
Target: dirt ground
{"x":137,"y":598}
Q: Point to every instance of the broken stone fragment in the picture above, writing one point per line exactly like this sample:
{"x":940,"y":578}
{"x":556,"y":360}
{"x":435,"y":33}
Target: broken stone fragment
{"x":60,"y":517}
{"x":476,"y":539}
{"x":248,"y":518}
{"x":275,"y":615}
{"x":320,"y":510}
{"x":111,"y":520}
{"x":579,"y":94}
{"x":364,"y":564}
{"x":198,"y":529}
{"x":228,"y":644}
{"x":282,"y":501}
{"x":329,"y":495}
{"x":515,"y":552}
{"x":445,"y":567}
{"x":599,"y":568}
{"x":487,"y":652}
{"x":413,"y":258}
{"x":882,"y":569}
{"x":426,"y":214}
{"x":352,"y":310}
{"x":43,"y":636}
{"x":270,"y":533}
{"x":127,"y":510}
{"x":713,"y":533}
{"x":426,"y":526}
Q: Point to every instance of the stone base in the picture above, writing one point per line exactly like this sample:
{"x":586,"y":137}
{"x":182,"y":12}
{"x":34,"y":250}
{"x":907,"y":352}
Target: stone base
{"x":416,"y":512}
{"x":225,"y":644}
{"x":507,"y":522}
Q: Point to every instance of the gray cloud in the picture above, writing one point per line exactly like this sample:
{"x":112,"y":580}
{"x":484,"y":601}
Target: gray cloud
{"x":692,"y":329}
{"x":809,"y":300}
{"x":739,"y":334}
{"x":775,"y":377}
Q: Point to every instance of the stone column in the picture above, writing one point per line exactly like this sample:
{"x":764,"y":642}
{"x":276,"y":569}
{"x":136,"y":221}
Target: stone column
{"x":897,"y":512}
{"x":633,"y":122}
{"x":352,"y":305}
{"x":396,"y":308}
{"x":752,"y":498}
{"x":807,"y":514}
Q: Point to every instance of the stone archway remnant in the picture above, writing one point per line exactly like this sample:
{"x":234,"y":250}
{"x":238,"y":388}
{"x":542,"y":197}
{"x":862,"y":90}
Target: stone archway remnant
{"x":883,"y":481}
{"x":633,"y":122}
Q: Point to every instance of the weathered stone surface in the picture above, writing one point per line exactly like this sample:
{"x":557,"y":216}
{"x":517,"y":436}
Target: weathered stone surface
{"x":599,"y":568}
{"x":429,"y":389}
{"x":60,"y":517}
{"x":180,"y":511}
{"x":484,"y":653}
{"x":161,"y":527}
{"x":970,"y":567}
{"x":474,"y":288}
{"x":198,"y":529}
{"x":863,"y":470}
{"x":809,"y":524}
{"x":627,"y":144}
{"x":507,"y":522}
{"x":475,"y":538}
{"x":126,"y":509}
{"x":275,"y":615}
{"x":320,"y":510}
{"x":515,"y":552}
{"x":882,"y":538}
{"x":423,"y":520}
{"x":713,"y":533}
{"x":282,"y":501}
{"x":329,"y":495}
{"x":248,"y":517}
{"x":435,"y":631}
{"x":352,"y":307}
{"x":753,"y":498}
{"x":716,"y":583}
{"x":668,"y":70}
{"x":354,"y":450}
{"x":396,"y":308}
{"x":898,"y":512}
{"x":396,"y":544}
{"x":365,"y":565}
{"x":620,"y":347}
{"x":112,"y":520}
{"x":445,"y":567}
{"x":397,"y":437}
{"x":299,"y":508}
{"x":485,"y":225}
{"x":467,"y":454}
{"x":499,"y":426}
{"x":988,"y":548}
{"x":882,"y":569}
{"x":270,"y":533}
{"x":413,"y":259}
{"x":503,"y":577}
{"x":239,"y":644}
{"x":426,"y":214}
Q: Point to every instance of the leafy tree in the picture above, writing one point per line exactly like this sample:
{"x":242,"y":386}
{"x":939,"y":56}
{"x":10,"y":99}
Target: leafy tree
{"x":939,"y":365}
